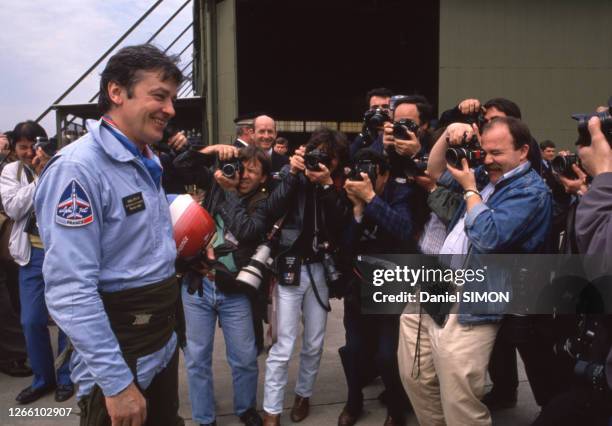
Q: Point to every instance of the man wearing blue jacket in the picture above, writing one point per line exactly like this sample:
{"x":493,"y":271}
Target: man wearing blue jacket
{"x":109,"y":265}
{"x":382,"y":222}
{"x":443,"y":366}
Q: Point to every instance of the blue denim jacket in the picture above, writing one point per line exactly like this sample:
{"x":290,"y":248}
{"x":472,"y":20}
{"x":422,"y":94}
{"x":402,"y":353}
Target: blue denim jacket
{"x":515,"y":219}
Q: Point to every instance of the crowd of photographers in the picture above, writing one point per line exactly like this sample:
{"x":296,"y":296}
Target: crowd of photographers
{"x":290,"y":227}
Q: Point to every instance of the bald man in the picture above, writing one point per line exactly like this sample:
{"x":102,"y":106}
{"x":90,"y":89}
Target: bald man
{"x":265,"y":135}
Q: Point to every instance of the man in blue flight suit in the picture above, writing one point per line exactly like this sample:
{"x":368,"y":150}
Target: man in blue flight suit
{"x":107,"y":233}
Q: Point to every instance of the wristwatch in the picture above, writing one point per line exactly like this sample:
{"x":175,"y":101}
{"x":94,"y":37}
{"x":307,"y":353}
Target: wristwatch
{"x":469,"y":192}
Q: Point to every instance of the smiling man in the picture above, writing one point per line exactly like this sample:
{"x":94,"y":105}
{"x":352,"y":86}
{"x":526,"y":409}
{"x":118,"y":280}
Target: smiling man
{"x":109,"y":265}
{"x":506,"y":208}
{"x":265,"y":135}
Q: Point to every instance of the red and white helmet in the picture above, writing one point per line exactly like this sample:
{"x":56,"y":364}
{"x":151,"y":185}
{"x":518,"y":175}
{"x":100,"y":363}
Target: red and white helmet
{"x":193,"y":226}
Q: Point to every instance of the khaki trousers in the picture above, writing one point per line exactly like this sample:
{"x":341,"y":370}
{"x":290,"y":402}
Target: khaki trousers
{"x":446,"y":383}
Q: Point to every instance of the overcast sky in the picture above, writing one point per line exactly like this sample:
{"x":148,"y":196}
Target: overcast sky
{"x":46,"y":45}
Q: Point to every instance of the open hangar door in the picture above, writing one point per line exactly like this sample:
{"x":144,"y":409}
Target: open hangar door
{"x":307,"y":62}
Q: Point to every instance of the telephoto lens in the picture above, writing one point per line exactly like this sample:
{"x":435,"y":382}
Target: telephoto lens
{"x":251,"y":276}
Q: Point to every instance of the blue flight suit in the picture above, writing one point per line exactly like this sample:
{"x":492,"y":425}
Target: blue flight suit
{"x":95,"y":242}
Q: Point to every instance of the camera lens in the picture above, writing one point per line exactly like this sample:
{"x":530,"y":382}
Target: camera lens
{"x":454,"y":156}
{"x":228,"y":170}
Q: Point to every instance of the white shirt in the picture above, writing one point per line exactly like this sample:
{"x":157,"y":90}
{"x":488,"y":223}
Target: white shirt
{"x":457,"y":241}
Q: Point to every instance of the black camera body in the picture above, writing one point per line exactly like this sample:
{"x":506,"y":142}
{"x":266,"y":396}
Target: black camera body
{"x":314,"y":157}
{"x":49,"y":146}
{"x":470,"y":150}
{"x":416,"y":166}
{"x":32,"y":225}
{"x":231,"y":167}
{"x":562,"y":165}
{"x":376,"y":118}
{"x":402,"y":127}
{"x":584,"y":136}
{"x":373,"y":119}
{"x":476,"y":118}
{"x":332,"y":273}
{"x":588,"y":349}
{"x":363,"y":166}
{"x":194,"y":141}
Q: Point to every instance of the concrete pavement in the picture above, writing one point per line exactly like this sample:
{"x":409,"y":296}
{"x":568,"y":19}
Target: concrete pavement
{"x":326,"y":403}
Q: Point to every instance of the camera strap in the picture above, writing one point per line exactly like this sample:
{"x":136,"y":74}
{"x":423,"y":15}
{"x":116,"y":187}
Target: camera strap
{"x":327,"y":307}
{"x":22,"y":168}
{"x":315,"y":240}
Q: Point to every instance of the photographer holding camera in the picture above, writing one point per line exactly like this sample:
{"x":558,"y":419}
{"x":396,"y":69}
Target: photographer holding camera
{"x":593,"y":231}
{"x":510,"y":214}
{"x":379,"y":110}
{"x":236,"y":199}
{"x":13,"y":354}
{"x":382,"y":222}
{"x":406,"y":142}
{"x":174,"y":143}
{"x":309,"y":198}
{"x":514,"y":332}
{"x":408,"y":134}
{"x":17,"y":185}
{"x":585,"y":340}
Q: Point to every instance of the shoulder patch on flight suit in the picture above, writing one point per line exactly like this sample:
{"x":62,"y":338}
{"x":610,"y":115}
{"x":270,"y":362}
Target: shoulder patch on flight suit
{"x":74,"y":207}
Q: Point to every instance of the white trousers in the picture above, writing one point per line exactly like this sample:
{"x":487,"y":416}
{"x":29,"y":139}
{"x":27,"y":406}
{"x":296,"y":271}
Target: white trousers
{"x":295,"y":303}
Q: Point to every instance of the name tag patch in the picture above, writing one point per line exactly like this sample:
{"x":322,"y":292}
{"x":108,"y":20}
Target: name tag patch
{"x":133,"y":203}
{"x":74,"y":207}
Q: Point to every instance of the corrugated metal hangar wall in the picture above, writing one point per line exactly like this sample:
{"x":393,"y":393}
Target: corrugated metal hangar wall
{"x":552,"y":58}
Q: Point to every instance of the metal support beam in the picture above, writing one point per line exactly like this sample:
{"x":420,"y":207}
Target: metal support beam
{"x":214,"y":79}
{"x":187,"y":79}
{"x":178,"y":37}
{"x":188,"y":86}
{"x":185,"y":48}
{"x":99,"y":61}
{"x":165,"y":24}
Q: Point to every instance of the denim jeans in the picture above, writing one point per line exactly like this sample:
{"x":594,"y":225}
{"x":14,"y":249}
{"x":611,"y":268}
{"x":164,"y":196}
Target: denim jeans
{"x":295,"y":303}
{"x":234,"y":313}
{"x":35,"y":322}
